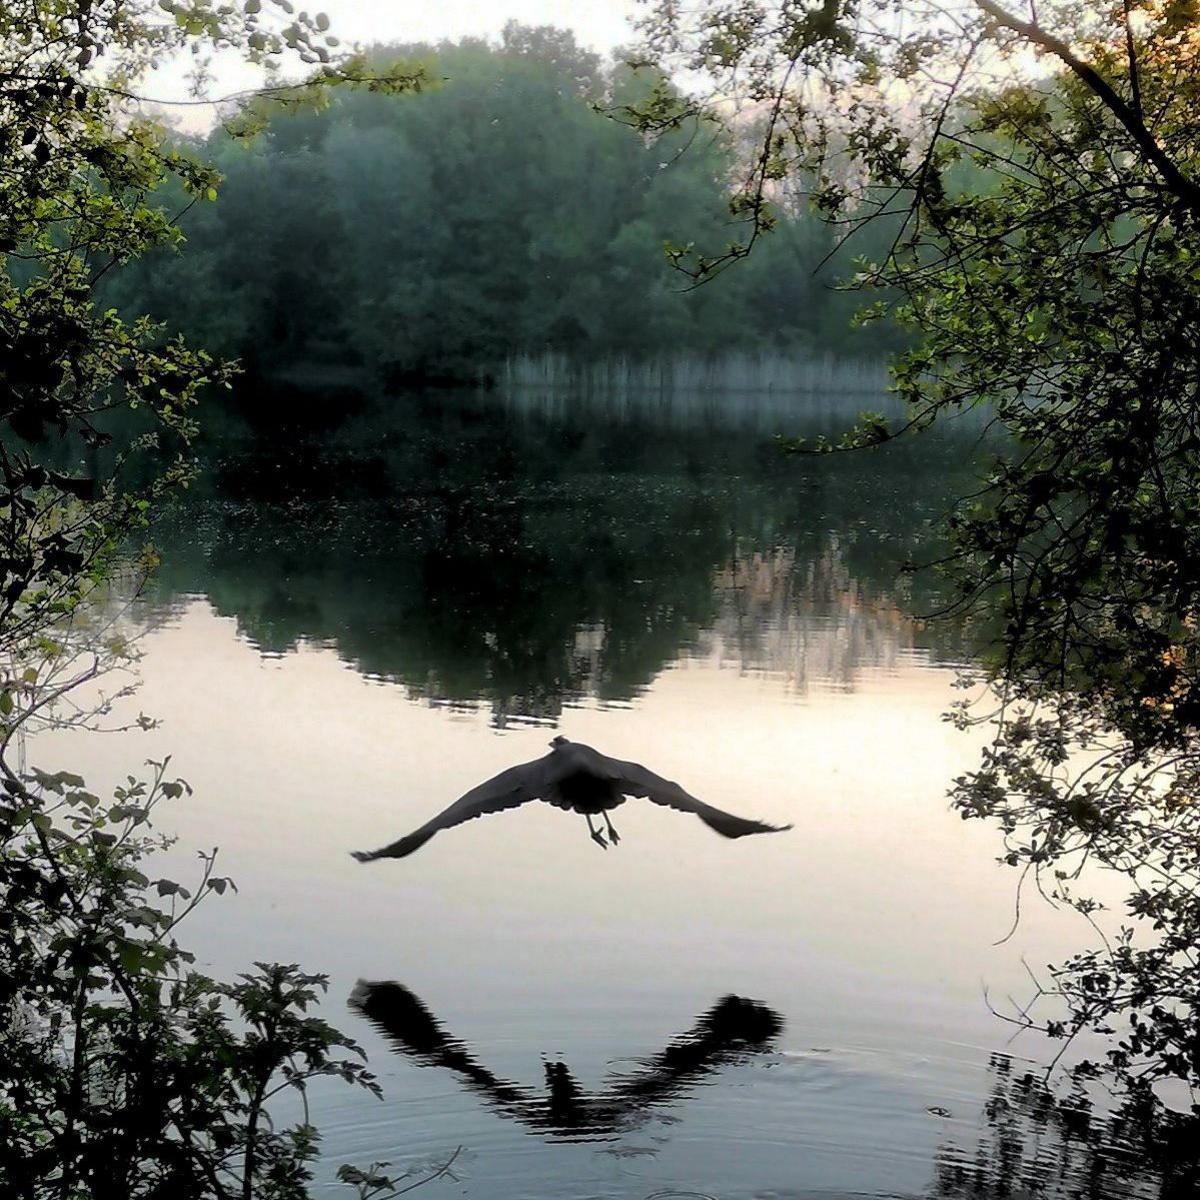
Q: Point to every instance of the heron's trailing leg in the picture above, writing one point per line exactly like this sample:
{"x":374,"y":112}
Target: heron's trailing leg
{"x":597,"y":836}
{"x":612,"y":833}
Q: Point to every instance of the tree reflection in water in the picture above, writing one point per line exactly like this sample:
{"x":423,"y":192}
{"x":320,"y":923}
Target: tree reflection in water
{"x":1039,"y":1144}
{"x":731,"y":1030}
{"x":478,"y":555}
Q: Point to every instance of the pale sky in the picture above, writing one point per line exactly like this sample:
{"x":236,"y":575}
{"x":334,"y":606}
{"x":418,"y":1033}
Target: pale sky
{"x":598,"y":24}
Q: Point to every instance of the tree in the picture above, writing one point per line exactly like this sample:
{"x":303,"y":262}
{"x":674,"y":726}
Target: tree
{"x":495,"y":215}
{"x":1060,"y":291}
{"x":122,"y":1072}
{"x":80,"y":172}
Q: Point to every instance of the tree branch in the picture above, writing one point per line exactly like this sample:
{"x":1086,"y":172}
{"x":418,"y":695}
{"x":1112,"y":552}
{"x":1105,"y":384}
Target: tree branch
{"x":1186,"y":189}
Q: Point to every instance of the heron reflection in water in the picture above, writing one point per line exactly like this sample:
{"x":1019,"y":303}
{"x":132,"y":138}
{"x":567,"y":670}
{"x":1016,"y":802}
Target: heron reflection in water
{"x":731,"y":1030}
{"x":576,"y":778}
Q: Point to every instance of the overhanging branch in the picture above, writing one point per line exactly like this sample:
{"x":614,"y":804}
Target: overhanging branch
{"x":1186,"y":189}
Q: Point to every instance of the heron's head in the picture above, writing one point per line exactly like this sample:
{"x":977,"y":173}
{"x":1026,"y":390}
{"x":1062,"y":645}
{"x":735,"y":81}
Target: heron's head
{"x":559,"y":741}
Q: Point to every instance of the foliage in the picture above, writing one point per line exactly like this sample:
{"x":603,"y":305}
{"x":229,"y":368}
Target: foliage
{"x":1066,"y":790}
{"x":125,"y":1073}
{"x":122,"y":1072}
{"x":378,"y":1182}
{"x":1058,"y":288}
{"x":80,"y":174}
{"x":495,"y":214}
{"x":70,"y":203}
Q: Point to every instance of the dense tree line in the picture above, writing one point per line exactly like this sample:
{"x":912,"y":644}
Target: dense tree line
{"x":432,"y":236}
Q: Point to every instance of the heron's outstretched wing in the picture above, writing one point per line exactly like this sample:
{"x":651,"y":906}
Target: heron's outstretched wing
{"x":506,"y":790}
{"x":635,"y":780}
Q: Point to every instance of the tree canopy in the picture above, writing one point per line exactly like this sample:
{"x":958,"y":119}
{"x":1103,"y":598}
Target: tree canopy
{"x":496,"y":213}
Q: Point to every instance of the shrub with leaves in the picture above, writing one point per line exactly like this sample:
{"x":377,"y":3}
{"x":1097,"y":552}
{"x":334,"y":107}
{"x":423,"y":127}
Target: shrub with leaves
{"x":123,"y":1072}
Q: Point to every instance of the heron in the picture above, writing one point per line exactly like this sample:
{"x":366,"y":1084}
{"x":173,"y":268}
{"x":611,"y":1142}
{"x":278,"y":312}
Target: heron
{"x":576,"y":778}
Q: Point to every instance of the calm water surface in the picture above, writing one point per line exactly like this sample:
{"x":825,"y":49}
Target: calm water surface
{"x":351,"y":629}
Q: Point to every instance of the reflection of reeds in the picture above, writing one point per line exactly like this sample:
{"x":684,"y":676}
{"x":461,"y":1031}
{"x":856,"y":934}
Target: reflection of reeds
{"x":682,"y":387}
{"x":812,"y":622}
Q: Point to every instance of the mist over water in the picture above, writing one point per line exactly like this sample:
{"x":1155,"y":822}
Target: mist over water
{"x":355,"y":624}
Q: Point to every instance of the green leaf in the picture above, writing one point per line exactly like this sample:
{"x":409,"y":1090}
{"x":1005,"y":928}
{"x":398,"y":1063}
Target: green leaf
{"x":132,"y":957}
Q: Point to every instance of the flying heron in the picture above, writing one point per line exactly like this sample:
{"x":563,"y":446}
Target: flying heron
{"x":576,"y":777}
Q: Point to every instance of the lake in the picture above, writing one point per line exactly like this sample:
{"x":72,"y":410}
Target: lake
{"x":355,"y":624}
